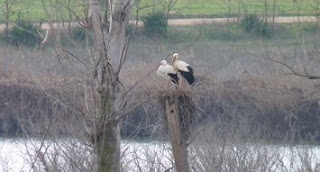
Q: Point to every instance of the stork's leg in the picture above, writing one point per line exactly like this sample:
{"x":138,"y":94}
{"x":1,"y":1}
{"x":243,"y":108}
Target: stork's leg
{"x":182,"y":81}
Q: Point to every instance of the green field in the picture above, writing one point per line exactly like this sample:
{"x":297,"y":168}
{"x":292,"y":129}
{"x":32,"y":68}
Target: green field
{"x":222,"y":8}
{"x":34,"y":9}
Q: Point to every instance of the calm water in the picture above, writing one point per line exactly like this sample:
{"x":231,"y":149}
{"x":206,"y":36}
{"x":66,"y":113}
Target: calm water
{"x":17,"y":155}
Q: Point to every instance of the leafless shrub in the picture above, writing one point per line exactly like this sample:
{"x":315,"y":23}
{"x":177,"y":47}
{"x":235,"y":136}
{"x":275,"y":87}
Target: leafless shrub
{"x":153,"y":157}
{"x":214,"y":150}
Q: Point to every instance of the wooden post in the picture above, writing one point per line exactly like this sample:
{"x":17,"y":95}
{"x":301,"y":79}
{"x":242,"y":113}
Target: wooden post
{"x":179,"y":146}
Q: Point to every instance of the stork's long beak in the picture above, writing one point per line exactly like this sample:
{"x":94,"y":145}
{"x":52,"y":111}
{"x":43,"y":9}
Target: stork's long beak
{"x":173,"y":59}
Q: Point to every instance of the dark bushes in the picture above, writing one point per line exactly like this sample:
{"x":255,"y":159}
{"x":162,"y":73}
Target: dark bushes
{"x":79,"y":34}
{"x":251,"y":23}
{"x":24,"y":33}
{"x":155,"y":24}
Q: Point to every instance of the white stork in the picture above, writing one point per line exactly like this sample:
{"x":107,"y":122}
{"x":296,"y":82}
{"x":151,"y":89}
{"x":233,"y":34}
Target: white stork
{"x":183,"y":68}
{"x":165,"y":70}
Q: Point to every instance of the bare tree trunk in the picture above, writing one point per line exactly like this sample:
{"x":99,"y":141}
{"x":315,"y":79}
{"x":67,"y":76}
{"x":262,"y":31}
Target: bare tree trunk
{"x":229,"y":10}
{"x":6,"y":30}
{"x":274,"y":10}
{"x":7,"y":16}
{"x":109,"y":46}
{"x":239,"y":11}
{"x":242,"y":6}
{"x":265,"y":11}
{"x":69,"y":5}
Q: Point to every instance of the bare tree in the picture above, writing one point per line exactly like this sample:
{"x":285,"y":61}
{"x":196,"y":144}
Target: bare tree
{"x":7,"y":10}
{"x":241,"y":6}
{"x":109,"y":54}
{"x":274,"y":10}
{"x":170,"y":5}
{"x":229,"y":10}
{"x":309,"y":54}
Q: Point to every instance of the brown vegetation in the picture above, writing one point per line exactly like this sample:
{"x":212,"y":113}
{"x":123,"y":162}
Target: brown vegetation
{"x":267,"y":112}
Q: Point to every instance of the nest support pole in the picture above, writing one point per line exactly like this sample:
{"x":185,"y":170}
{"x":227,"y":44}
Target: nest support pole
{"x":177,"y":108}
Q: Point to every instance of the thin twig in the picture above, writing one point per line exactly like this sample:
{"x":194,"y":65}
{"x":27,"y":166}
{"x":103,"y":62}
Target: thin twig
{"x":41,"y":145}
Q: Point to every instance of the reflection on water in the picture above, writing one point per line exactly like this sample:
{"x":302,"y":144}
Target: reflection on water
{"x":22,"y":155}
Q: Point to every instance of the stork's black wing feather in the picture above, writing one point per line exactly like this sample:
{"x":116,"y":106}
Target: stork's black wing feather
{"x":190,"y":69}
{"x":174,"y":78}
{"x":188,"y":76}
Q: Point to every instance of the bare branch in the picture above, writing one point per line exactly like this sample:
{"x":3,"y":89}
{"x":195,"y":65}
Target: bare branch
{"x":42,"y":145}
{"x":80,"y":21}
{"x":45,"y":37}
{"x":293,"y":71}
